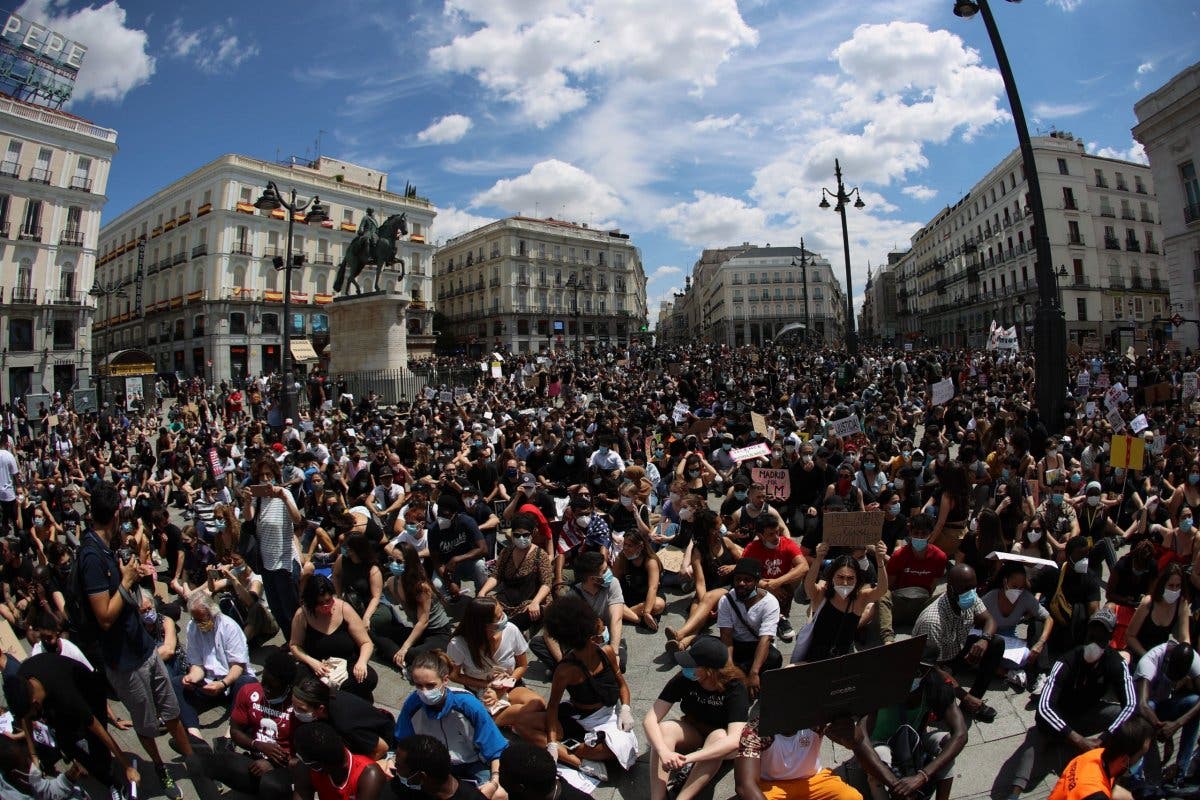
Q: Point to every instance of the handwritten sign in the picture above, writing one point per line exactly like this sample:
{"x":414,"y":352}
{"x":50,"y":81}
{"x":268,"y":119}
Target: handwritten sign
{"x":1128,"y":452}
{"x":1116,"y":420}
{"x":777,"y":482}
{"x":214,"y":461}
{"x":497,"y":370}
{"x":1139,"y":423}
{"x":1191,"y":385}
{"x":429,"y":393}
{"x":852,"y":528}
{"x":679,"y":414}
{"x":942,"y":391}
{"x":999,"y":555}
{"x":846,"y":426}
{"x":760,"y":425}
{"x":1112,"y":397}
{"x":700,"y":427}
{"x":1084,"y":380}
{"x":1090,"y":409}
{"x":760,"y":450}
{"x":446,"y":397}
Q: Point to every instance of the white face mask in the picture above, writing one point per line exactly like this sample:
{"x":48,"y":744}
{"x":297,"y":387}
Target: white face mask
{"x":1171,"y":595}
{"x":1035,"y":536}
{"x":1093,"y":500}
{"x":443,"y":523}
{"x":583,"y":522}
{"x":626,"y":501}
{"x":1013,"y":595}
{"x":843,"y":591}
{"x":685,"y":514}
{"x":1092,"y":652}
{"x":864,"y":563}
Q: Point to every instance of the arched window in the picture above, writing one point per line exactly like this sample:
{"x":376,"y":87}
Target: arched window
{"x":198,"y":280}
{"x":322,"y":281}
{"x":270,"y":277}
{"x":239,"y":276}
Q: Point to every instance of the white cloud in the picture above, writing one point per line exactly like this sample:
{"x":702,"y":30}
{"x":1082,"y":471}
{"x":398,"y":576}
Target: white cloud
{"x":712,"y":220}
{"x":1135,"y":152}
{"x":919,"y":192}
{"x":1065,"y":5}
{"x":451,"y":222}
{"x":664,"y":272}
{"x":117,"y":60}
{"x":715,"y":123}
{"x":446,"y":130}
{"x":212,"y":49}
{"x":540,"y":55}
{"x":1144,"y":67}
{"x":557,"y":189}
{"x":1052,"y":110}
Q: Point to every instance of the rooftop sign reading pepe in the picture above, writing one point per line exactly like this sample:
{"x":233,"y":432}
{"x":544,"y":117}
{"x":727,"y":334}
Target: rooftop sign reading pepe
{"x":36,"y":63}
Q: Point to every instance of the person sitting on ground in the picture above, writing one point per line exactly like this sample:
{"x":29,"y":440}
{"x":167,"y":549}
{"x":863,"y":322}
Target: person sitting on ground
{"x":490,"y":658}
{"x":639,"y":572}
{"x":260,"y":730}
{"x":528,"y":771}
{"x":712,"y":694}
{"x":428,"y":625}
{"x":1166,"y":680}
{"x":948,"y":624}
{"x":239,"y":592}
{"x":747,"y":619}
{"x":456,"y":718}
{"x":713,"y":558}
{"x":521,"y":575}
{"x":1093,"y":775}
{"x":1010,"y":603}
{"x":456,"y":547}
{"x":366,"y":729}
{"x":595,"y":585}
{"x":784,"y":566}
{"x":787,"y":766}
{"x":1162,"y":614}
{"x":913,"y":570}
{"x":840,"y":604}
{"x":599,"y":696}
{"x":327,"y":633}
{"x":220,"y":661}
{"x":326,"y":770}
{"x":421,"y":771}
{"x":1075,"y":707}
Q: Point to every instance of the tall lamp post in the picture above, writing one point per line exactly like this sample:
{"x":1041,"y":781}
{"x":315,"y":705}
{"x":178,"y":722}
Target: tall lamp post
{"x":1050,"y":327}
{"x":804,"y":280}
{"x":574,"y":284}
{"x":104,"y":291}
{"x":317,"y":212}
{"x":843,"y":197}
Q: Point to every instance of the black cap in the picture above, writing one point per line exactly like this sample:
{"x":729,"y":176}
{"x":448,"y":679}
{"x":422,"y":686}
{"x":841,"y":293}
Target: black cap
{"x":748,"y":566}
{"x":706,"y":651}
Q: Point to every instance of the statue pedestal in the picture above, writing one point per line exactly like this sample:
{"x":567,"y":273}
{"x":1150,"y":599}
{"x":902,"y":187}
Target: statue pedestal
{"x":368,"y":344}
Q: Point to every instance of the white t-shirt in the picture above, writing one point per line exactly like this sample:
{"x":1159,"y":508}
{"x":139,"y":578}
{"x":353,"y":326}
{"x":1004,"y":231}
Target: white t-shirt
{"x":791,"y":757}
{"x":512,"y":644}
{"x":219,"y":648}
{"x":763,"y":617}
{"x":1152,"y":667}
{"x":68,"y":649}
{"x":8,"y":468}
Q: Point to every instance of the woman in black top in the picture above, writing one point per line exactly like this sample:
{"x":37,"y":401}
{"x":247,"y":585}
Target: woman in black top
{"x":640,"y":572}
{"x":715,"y":703}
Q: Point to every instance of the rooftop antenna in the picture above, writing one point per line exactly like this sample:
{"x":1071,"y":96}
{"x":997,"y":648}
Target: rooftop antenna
{"x":536,"y":206}
{"x":320,"y":132}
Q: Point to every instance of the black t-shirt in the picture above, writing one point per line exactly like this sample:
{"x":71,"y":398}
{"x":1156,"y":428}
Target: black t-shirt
{"x":1128,"y":583}
{"x":715,"y":709}
{"x":483,"y":476}
{"x":71,"y":700}
{"x":1081,"y":587}
{"x":360,"y":724}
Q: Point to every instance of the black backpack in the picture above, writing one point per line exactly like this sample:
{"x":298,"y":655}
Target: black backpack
{"x":81,"y":622}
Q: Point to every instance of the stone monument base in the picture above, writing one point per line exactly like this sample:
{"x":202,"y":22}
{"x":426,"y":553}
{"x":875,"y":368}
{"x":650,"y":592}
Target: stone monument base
{"x":368,"y":344}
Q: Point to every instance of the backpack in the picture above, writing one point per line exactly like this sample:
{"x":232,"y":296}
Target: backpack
{"x":81,"y":622}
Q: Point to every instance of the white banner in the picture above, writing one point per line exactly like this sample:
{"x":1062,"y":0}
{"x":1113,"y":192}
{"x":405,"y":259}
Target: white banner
{"x":760,"y":450}
{"x":942,"y":391}
{"x":847,"y":426}
{"x":1116,"y":420}
{"x":1003,"y":338}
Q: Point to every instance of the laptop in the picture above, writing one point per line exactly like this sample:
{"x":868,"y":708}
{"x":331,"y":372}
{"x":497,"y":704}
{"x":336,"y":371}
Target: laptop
{"x":811,"y":695}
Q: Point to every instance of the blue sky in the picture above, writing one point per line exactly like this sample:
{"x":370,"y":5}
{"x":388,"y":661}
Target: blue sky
{"x":687,"y":123}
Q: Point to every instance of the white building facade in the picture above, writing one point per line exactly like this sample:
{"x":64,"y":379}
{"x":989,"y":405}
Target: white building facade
{"x":1169,"y":128}
{"x":211,"y":299}
{"x":52,"y":184}
{"x":974,"y":262}
{"x":528,"y":285}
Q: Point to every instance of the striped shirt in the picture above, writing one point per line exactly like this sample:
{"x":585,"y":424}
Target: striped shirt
{"x":274,"y":530}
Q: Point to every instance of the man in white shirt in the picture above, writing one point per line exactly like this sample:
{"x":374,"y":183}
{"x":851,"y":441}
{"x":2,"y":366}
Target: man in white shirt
{"x":10,"y":471}
{"x":787,"y":767}
{"x":748,"y":618}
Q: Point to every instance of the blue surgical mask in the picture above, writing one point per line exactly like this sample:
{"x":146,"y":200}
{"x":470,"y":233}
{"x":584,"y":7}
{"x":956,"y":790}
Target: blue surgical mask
{"x":411,"y":529}
{"x":1186,"y":523}
{"x":967,"y":599}
{"x":726,"y":447}
{"x":608,"y":577}
{"x":740,"y":495}
{"x":126,"y":527}
{"x":1004,"y":474}
{"x":658,"y":453}
{"x":218,"y":525}
{"x":688,"y":672}
{"x":1119,"y":471}
{"x":931,"y":511}
{"x":396,"y":568}
{"x":1056,"y":498}
{"x":431,"y":697}
{"x":917,"y":544}
{"x":894,"y":509}
{"x":568,"y":460}
{"x":1194,"y":478}
{"x":602,"y":451}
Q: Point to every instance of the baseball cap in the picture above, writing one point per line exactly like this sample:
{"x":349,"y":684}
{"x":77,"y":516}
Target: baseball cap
{"x":705,"y":651}
{"x":528,"y":479}
{"x":277,"y":447}
{"x":1105,"y":617}
{"x":748,"y":566}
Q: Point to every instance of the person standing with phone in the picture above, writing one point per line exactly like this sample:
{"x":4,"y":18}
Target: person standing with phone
{"x":273,"y":511}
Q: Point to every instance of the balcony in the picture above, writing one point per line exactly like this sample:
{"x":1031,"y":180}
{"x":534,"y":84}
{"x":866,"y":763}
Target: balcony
{"x":1115,"y":282}
{"x":81,"y":184}
{"x":1122,"y":186}
{"x":66,"y":298}
{"x":1075,"y":241}
{"x":324,"y":259}
{"x":522,"y":280}
{"x":1132,"y":246}
{"x":1157,"y":283}
{"x":23,"y":294}
{"x":241,"y":249}
{"x":71,"y":237}
{"x":494,"y":283}
{"x":10,"y":170}
{"x":1140,"y":189}
{"x":1079,"y":280}
{"x":1127,"y":215}
{"x":40,"y":175}
{"x":1191,"y":212}
{"x":1108,"y":212}
{"x":272,"y":250}
{"x":1112,"y":243}
{"x":178,"y":258}
{"x":30,"y":233}
{"x":1136,"y":282}
{"x":199,"y":250}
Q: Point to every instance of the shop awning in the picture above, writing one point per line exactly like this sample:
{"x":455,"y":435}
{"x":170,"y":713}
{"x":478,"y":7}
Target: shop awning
{"x":126,"y":364}
{"x":302,"y":350}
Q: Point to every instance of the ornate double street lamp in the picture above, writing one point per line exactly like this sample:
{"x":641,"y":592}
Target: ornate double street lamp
{"x":1050,"y":326}
{"x":843,"y":197}
{"x":317,"y":212}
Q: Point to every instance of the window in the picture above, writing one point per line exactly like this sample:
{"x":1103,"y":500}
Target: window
{"x":270,"y":323}
{"x":244,"y":197}
{"x":198,"y":325}
{"x":31,"y":227}
{"x":20,"y":335}
{"x":1138,"y":185}
{"x":1081,"y":309}
{"x":66,"y":283}
{"x":1191,"y":191}
{"x":1073,"y":232}
{"x":1062,"y":167}
{"x":237,"y":322}
{"x":41,"y":169}
{"x":83,"y":166}
{"x":1103,"y":184}
{"x":1068,"y":200}
{"x":12,"y":159}
{"x":1121,"y":184}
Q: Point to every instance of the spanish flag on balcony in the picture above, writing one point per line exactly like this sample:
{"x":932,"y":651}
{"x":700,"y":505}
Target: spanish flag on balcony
{"x":278,"y":213}
{"x":350,"y":226}
{"x":273,"y":297}
{"x":322,"y":299}
{"x":195,"y":296}
{"x":245,"y":208}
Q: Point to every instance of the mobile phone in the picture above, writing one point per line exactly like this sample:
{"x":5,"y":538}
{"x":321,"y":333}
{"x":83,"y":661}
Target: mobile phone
{"x":569,"y":744}
{"x":261,"y":490}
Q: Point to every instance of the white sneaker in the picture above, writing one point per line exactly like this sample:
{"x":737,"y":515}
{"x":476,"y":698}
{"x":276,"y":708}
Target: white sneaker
{"x":1039,"y":683}
{"x":594,"y":768}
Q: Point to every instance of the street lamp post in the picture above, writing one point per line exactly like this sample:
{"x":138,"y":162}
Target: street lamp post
{"x":1050,"y":328}
{"x":804,"y":280}
{"x":270,"y":201}
{"x":573,"y":283}
{"x":843,"y":197}
{"x":103,"y":291}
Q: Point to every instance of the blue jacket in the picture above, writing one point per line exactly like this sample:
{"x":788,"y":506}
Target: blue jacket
{"x":463,"y":724}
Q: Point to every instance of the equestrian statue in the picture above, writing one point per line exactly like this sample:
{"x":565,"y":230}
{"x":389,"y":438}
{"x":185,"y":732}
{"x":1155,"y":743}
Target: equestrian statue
{"x":375,"y":244}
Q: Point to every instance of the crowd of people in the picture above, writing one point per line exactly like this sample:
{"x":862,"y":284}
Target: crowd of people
{"x":208,"y":552}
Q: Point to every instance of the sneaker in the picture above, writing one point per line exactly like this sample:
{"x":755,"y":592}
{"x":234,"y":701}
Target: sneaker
{"x":1016,"y":680}
{"x":785,"y":631}
{"x":170,"y":790}
{"x":594,"y":768}
{"x":1039,"y":683}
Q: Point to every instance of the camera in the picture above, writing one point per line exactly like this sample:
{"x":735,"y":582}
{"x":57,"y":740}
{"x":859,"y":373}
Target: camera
{"x":124,"y":554}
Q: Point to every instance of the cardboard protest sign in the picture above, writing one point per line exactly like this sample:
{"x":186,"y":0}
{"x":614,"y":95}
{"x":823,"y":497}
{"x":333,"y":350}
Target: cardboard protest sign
{"x":760,"y":450}
{"x":1112,"y":397}
{"x":1116,"y":420}
{"x":1103,"y":381}
{"x":446,"y":397}
{"x":1132,"y":380}
{"x":214,"y":462}
{"x":846,"y":426}
{"x":497,"y":370}
{"x":942,"y":391}
{"x":429,"y":393}
{"x":679,"y":414}
{"x":699,"y":427}
{"x":1090,"y":409}
{"x":1085,"y":379}
{"x":1191,"y":385}
{"x":1128,"y":452}
{"x":760,"y":425}
{"x":1139,"y":423}
{"x":852,"y":528}
{"x":52,"y":420}
{"x":777,"y":482}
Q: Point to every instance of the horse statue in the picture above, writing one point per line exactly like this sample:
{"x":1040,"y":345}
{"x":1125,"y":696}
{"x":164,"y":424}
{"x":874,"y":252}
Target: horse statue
{"x":360,"y":253}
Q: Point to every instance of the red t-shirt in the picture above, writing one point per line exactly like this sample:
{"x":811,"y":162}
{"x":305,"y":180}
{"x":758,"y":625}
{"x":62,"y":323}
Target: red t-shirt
{"x":906,"y":570}
{"x":265,"y":724}
{"x":775,"y":562}
{"x":348,"y":790}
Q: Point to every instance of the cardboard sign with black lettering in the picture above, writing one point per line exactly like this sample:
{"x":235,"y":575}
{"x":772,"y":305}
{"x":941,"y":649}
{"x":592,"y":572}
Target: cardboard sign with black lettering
{"x":760,"y":424}
{"x":852,"y":528}
{"x":777,"y":482}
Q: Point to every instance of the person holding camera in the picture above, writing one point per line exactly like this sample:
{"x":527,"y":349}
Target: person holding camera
{"x":273,"y":511}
